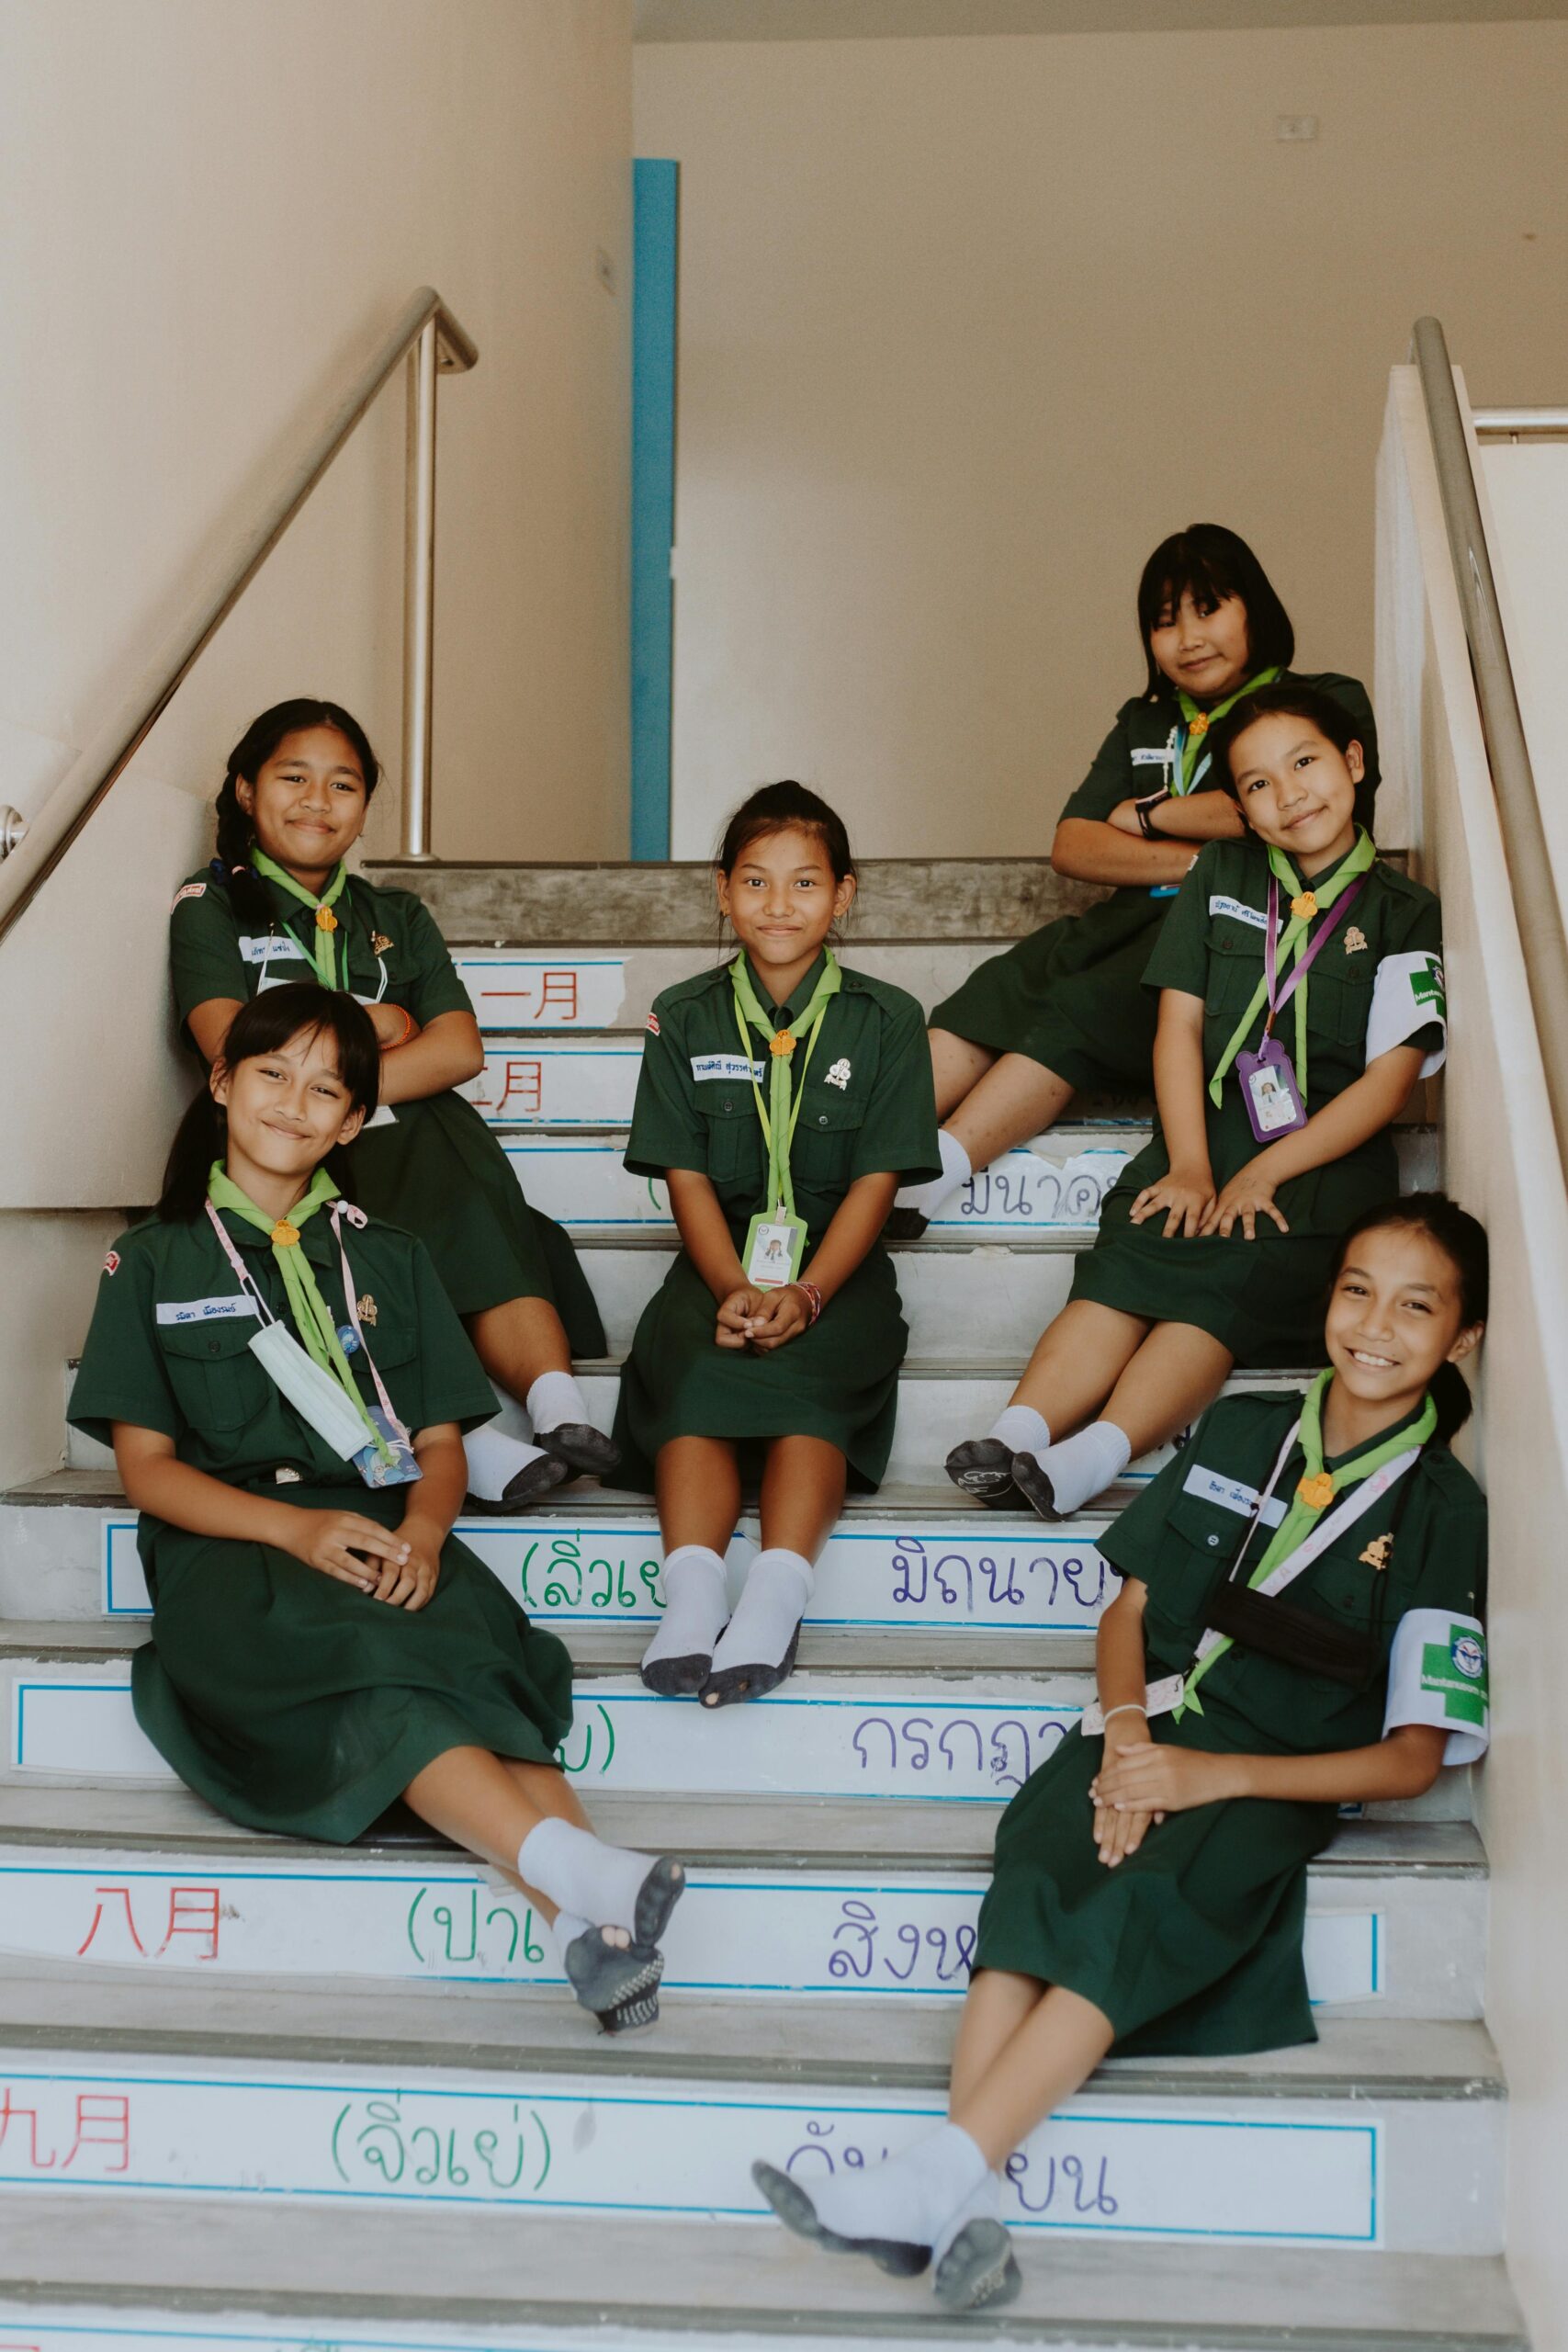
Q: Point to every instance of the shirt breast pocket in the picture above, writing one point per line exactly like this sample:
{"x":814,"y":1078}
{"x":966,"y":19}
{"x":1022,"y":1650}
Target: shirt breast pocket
{"x":729,"y":1121}
{"x":825,"y":1141}
{"x":1199,"y":1540}
{"x":1340,"y":998}
{"x":218,"y":1384}
{"x":1236,"y":966}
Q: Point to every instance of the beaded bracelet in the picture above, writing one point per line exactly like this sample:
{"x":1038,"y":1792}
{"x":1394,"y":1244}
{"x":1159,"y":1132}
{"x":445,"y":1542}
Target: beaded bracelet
{"x":813,"y":1299}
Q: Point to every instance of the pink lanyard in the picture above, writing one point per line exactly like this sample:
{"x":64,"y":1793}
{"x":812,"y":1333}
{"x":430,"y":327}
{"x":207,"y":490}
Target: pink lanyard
{"x":356,"y":1216}
{"x":1279,"y":998}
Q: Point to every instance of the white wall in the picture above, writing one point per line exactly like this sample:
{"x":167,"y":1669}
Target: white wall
{"x":967,"y":324}
{"x":1527,"y":489}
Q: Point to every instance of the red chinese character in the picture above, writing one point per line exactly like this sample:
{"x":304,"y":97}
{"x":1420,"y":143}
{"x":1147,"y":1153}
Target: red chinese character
{"x":525,"y":1082}
{"x":103,"y":2121}
{"x":9,"y":2115}
{"x":193,"y":1911}
{"x":127,"y":1917}
{"x":560,"y":989}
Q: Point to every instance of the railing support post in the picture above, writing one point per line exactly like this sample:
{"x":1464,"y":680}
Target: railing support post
{"x":419,"y":593}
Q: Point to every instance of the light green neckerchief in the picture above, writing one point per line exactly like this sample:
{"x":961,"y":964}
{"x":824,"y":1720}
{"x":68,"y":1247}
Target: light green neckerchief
{"x":1198,"y":722}
{"x":312,"y":1317}
{"x":779,"y":1120}
{"x":1316,"y":1490}
{"x":322,"y":947}
{"x":1305,"y":906}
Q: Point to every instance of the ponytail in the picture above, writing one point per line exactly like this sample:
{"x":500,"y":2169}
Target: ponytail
{"x":231,"y":866}
{"x":1449,"y":1392}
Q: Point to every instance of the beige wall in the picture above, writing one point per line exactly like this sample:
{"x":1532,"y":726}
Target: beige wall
{"x":966,"y":325}
{"x":210,"y":210}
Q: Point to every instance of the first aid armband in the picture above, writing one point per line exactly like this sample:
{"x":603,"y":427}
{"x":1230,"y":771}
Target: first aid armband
{"x":1437,"y":1675}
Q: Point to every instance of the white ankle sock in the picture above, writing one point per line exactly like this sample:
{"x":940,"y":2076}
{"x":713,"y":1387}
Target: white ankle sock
{"x":984,"y":2204}
{"x":556,"y":1397}
{"x":779,"y":1584}
{"x":955,"y":1171}
{"x":1022,"y":1429}
{"x":582,"y":1874}
{"x":696,"y":1602}
{"x":569,"y":1925}
{"x":494,"y":1459}
{"x":910,"y":2198}
{"x":1083,"y":1466}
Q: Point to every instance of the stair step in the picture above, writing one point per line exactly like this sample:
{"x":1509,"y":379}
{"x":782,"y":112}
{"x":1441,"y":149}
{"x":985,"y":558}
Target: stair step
{"x":874,"y":1716}
{"x":1382,"y":2134}
{"x":1396,"y":1922}
{"x":182,"y":2275}
{"x":572,"y":988}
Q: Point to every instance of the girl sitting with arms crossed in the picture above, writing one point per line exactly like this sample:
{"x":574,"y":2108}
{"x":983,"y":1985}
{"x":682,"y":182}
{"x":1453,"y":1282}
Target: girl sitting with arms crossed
{"x":781,"y":1098}
{"x":1065,"y":1012}
{"x":1150,"y":1886}
{"x":277,"y":903}
{"x":283,"y":1383}
{"x":1300,"y":997}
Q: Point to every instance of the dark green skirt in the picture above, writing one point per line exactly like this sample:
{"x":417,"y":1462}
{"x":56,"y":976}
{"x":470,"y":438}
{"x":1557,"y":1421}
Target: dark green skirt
{"x":1071,"y":995}
{"x":839,"y":1380}
{"x":441,"y":1173}
{"x":1192,"y":1946}
{"x":295,"y":1703}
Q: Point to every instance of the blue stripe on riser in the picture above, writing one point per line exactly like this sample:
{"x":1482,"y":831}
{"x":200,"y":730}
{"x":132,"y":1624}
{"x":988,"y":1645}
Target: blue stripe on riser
{"x":891,"y":1935}
{"x":876,"y":1575}
{"x":1159,"y":2168}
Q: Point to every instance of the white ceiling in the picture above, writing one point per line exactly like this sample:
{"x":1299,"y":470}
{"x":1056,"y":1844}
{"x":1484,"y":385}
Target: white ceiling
{"x":893,"y":20}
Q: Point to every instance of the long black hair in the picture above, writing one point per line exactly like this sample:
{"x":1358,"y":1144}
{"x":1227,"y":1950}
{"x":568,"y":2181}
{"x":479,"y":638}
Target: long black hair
{"x":1213,"y":563}
{"x":232,"y":865}
{"x":263,"y":1026}
{"x":1462,"y":1240}
{"x":778,"y":809}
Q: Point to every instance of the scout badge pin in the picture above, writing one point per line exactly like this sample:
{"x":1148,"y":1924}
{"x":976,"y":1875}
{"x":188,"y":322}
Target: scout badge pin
{"x":839,"y":1074}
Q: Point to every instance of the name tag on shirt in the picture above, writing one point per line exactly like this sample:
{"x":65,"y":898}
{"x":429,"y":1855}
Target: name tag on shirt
{"x":1231,"y":1494}
{"x":730,"y":1066}
{"x":1243,"y":914}
{"x":272,"y":947}
{"x":1153,"y":755}
{"x":205,"y":1310}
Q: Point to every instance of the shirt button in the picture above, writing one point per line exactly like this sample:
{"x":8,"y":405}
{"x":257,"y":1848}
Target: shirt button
{"x":728,"y":1103}
{"x":821,"y":1118}
{"x":1213,"y":1542}
{"x":212,"y":1347}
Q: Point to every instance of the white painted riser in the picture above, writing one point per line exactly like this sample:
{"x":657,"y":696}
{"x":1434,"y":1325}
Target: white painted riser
{"x":968,"y":1739}
{"x":595,"y":988}
{"x":1410,"y":2174}
{"x":1395,"y":1945}
{"x":165,"y":2327}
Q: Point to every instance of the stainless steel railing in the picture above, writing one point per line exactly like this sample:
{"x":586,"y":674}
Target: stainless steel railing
{"x":431,"y":341}
{"x":1538,"y":912}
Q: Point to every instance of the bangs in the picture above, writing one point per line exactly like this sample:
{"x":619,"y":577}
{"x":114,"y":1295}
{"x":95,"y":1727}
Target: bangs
{"x":271,"y":1021}
{"x":1213,"y":564}
{"x":1181,"y":568}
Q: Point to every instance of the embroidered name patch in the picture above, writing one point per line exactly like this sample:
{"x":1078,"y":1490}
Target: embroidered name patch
{"x":730,"y":1066}
{"x":1231,"y":1494}
{"x":1152,"y":756}
{"x":1254,"y":916}
{"x":205,"y":1310}
{"x":272,"y":947}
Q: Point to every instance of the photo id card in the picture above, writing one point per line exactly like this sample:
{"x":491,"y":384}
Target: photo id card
{"x":1268,"y":1090}
{"x":775,"y":1246}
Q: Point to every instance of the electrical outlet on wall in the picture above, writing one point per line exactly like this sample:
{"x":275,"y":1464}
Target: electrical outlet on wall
{"x":1295,"y":126}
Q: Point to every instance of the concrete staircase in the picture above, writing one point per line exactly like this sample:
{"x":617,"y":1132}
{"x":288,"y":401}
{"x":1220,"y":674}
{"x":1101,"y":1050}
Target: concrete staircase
{"x":205,"y":2030}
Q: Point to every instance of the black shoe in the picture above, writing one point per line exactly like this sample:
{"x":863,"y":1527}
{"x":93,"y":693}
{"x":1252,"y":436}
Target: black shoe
{"x":677,"y":1678}
{"x":978,"y":2270}
{"x":796,"y":2211}
{"x":532,"y":1482}
{"x":733,"y":1683}
{"x":983,"y":1468}
{"x":617,"y":1984}
{"x":581,"y":1447}
{"x":1028,"y":1477}
{"x":656,"y":1898}
{"x":904,"y":1225}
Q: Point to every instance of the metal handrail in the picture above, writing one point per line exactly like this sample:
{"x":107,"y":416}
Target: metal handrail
{"x":1537,"y":906}
{"x":428,"y":336}
{"x":1519,"y":420}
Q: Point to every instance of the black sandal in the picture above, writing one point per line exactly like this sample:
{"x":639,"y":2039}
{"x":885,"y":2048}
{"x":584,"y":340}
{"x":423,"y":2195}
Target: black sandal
{"x":733,"y":1683}
{"x":582,"y":1447}
{"x":979,"y":2269}
{"x":1030,"y":1477}
{"x":532,"y":1483}
{"x":616,"y":1983}
{"x":982,"y":1466}
{"x":796,"y":2212}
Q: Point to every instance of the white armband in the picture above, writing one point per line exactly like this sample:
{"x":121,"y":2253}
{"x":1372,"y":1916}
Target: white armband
{"x":1408,"y":995}
{"x":1437,"y":1675}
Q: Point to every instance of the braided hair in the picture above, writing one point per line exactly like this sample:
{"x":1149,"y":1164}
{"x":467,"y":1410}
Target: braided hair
{"x":231,"y":866}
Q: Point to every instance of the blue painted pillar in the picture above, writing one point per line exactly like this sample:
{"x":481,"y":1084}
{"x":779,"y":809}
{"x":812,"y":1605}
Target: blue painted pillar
{"x":656,"y":224}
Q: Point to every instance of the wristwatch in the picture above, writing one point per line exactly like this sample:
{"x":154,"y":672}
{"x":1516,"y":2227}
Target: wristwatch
{"x":1145,"y":807}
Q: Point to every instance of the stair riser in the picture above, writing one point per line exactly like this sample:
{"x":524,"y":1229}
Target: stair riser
{"x":953,"y":1740}
{"x":139,"y":2326}
{"x":1394,"y":1946}
{"x":1411,"y":2174}
{"x":592,"y":987}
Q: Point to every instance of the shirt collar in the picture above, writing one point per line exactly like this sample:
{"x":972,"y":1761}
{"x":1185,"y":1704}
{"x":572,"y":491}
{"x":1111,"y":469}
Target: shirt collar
{"x":315,"y":1236}
{"x":1332,"y":1461}
{"x":783,"y":1015}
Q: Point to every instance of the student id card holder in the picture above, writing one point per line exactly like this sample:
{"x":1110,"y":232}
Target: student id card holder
{"x":402,"y":1469}
{"x":1269,"y":1089}
{"x":775,"y":1249}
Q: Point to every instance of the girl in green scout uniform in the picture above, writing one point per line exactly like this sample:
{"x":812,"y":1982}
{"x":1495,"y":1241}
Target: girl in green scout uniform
{"x":1150,"y":1885}
{"x":279,"y":904}
{"x":781,"y":1098}
{"x":283,"y":1383}
{"x":1064,"y":1012}
{"x":1300,"y":997}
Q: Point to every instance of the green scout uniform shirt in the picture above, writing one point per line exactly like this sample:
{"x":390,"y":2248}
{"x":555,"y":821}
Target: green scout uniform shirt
{"x":868,"y":1106}
{"x":1069,"y":995}
{"x":1178,"y":1537}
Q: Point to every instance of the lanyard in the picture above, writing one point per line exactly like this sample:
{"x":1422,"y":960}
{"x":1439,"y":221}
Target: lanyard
{"x":1303,"y":1535}
{"x":778,"y":1129}
{"x":322,"y":946}
{"x":1188,"y":770}
{"x":1343,"y":887}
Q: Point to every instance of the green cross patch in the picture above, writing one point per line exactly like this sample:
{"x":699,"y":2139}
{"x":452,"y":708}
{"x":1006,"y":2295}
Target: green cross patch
{"x":1455,"y":1671}
{"x":1427,"y":988}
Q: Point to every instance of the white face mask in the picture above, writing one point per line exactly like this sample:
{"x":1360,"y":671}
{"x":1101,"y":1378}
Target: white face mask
{"x":314,"y":1394}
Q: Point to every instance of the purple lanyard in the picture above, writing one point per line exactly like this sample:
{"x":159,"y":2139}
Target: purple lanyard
{"x":1279,"y":998}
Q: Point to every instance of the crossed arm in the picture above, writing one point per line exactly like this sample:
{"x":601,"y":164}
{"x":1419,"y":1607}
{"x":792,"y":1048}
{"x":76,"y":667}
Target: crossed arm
{"x":414,"y":1064}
